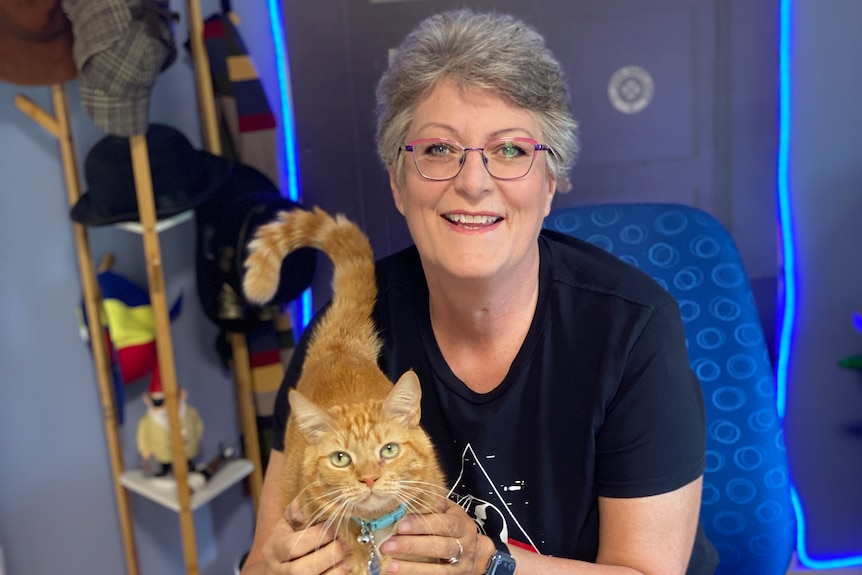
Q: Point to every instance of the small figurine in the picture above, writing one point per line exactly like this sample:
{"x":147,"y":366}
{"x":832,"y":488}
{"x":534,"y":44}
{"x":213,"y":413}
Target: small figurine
{"x":154,"y":439}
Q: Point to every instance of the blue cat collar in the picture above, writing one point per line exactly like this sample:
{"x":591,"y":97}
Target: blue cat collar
{"x":384,"y":521}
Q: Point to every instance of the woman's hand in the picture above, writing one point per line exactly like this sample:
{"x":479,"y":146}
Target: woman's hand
{"x":444,"y":542}
{"x":291,"y":550}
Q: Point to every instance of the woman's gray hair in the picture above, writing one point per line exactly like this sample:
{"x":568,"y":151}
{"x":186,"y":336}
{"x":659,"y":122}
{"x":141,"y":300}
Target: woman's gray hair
{"x":487,"y":51}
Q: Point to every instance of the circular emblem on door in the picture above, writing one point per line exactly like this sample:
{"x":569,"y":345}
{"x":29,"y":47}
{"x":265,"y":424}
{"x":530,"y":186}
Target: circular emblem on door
{"x":631,"y":89}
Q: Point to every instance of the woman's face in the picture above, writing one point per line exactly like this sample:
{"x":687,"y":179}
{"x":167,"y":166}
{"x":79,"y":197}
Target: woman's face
{"x":473,"y":226}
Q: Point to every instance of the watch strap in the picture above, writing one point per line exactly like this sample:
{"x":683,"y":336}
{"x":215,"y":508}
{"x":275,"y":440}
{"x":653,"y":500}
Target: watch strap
{"x":501,"y":546}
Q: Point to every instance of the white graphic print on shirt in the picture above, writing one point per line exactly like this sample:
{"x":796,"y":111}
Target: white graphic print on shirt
{"x":489,"y":510}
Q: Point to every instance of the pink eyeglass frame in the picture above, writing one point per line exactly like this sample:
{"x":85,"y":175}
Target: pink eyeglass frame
{"x":537,"y":147}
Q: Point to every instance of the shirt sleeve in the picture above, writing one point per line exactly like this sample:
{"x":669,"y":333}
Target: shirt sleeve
{"x":653,"y":438}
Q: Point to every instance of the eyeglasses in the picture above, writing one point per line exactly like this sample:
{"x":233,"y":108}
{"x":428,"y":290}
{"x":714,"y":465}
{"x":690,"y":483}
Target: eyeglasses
{"x":505,"y":159}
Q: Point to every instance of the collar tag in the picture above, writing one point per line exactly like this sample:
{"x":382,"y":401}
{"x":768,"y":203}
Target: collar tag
{"x":366,"y":534}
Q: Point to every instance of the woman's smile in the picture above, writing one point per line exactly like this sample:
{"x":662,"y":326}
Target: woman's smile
{"x":472,"y":222}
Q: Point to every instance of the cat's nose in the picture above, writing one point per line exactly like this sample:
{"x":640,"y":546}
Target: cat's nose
{"x":369,"y":481}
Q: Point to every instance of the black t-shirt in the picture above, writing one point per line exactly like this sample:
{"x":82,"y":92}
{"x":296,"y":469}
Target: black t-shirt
{"x":599,"y":401}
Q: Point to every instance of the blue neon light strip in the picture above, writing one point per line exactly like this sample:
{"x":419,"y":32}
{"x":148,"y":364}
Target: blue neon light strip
{"x":302,"y":312}
{"x":790,"y":278}
{"x":785,"y":221}
{"x":802,"y":552}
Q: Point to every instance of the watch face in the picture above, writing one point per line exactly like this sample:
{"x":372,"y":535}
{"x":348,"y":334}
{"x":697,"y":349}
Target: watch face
{"x":501,"y":564}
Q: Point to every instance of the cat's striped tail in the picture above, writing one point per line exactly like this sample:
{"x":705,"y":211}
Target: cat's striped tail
{"x":353,"y":283}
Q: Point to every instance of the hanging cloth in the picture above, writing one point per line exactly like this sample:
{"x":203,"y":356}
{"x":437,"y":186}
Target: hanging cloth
{"x":247,"y":125}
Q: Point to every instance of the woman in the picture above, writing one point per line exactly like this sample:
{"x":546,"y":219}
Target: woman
{"x":555,"y":378}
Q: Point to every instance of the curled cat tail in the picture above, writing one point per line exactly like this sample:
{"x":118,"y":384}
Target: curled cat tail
{"x":342,"y":240}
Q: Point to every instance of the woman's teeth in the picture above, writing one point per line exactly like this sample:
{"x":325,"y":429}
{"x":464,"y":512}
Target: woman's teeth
{"x":468,"y":220}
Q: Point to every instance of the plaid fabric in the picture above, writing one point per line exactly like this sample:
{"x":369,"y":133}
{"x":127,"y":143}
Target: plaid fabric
{"x":120,"y":47}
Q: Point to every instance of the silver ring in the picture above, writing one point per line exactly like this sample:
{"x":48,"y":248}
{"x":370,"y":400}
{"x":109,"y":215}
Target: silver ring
{"x":456,"y":558}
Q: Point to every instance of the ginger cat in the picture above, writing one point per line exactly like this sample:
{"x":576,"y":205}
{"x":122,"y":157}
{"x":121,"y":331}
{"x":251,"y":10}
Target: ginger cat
{"x":354,"y":451}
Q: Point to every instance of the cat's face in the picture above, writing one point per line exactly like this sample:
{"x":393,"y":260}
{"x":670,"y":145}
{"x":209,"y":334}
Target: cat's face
{"x":364,"y":459}
{"x":368,"y":464}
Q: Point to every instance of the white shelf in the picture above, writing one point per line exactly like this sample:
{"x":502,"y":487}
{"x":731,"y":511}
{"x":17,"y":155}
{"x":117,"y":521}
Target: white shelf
{"x":161,"y":225}
{"x":164,"y":490}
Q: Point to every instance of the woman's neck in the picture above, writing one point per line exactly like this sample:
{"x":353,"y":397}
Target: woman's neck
{"x":475,"y":309}
{"x":481,"y":324}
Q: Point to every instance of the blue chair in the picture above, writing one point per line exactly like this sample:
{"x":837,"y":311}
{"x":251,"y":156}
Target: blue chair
{"x":746,"y":509}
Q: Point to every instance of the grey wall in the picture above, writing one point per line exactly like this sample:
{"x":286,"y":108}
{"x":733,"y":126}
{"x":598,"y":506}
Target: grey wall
{"x":824,"y":400}
{"x":57,"y":506}
{"x":57,"y":510}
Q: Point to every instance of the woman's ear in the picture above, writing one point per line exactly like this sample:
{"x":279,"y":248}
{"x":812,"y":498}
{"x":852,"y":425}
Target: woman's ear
{"x":396,"y":189}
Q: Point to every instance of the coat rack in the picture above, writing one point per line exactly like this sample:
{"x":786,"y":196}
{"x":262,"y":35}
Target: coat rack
{"x":58,"y":125}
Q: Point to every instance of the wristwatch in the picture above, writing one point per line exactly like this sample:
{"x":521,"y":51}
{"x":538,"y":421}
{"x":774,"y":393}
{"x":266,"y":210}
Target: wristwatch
{"x":500,"y":563}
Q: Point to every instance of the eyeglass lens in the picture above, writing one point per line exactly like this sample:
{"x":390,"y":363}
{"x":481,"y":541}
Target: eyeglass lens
{"x":506,"y":159}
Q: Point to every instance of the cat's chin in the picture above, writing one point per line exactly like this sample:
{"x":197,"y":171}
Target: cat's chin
{"x":373,"y":506}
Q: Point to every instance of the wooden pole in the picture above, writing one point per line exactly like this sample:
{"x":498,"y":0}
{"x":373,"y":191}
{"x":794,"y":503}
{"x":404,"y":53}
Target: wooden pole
{"x":164,"y":344}
{"x":59,"y":127}
{"x":239,"y":345}
{"x":203,"y":80}
{"x":247,"y":413}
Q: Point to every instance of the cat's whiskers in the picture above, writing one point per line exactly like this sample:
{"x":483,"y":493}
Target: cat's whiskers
{"x":310,"y":501}
{"x":417,"y":508}
{"x":323,"y":504}
{"x":416,"y":504}
{"x":434,"y":487}
{"x":421,"y":489}
{"x":326,"y":502}
{"x":335,"y":517}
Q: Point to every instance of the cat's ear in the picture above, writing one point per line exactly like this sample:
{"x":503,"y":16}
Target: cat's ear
{"x":403,"y":402}
{"x":311,"y":421}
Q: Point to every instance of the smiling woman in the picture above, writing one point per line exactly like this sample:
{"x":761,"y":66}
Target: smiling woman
{"x":517,"y":336}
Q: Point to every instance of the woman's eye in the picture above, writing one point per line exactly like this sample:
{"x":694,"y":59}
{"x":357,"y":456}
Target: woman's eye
{"x":509,"y":150}
{"x":438,"y":150}
{"x":339,"y":459}
{"x":390,"y":450}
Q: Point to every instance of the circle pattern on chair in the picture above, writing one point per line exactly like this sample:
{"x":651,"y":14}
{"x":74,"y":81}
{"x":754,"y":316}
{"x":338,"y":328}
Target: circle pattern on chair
{"x":745,"y":500}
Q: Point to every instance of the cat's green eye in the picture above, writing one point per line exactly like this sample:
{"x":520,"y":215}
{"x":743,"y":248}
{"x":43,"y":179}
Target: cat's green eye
{"x":339,"y":459}
{"x":390,"y":450}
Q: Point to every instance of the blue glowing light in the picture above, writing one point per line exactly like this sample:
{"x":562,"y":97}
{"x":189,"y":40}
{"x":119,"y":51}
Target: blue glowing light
{"x":785,"y":220}
{"x":790,"y":277}
{"x":802,"y":552}
{"x":302,"y":311}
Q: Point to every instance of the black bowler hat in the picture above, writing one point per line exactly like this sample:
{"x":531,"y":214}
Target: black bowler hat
{"x":182,"y":176}
{"x":226,"y":223}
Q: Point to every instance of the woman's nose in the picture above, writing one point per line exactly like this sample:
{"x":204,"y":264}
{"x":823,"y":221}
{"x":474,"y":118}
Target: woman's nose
{"x":474,"y":176}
